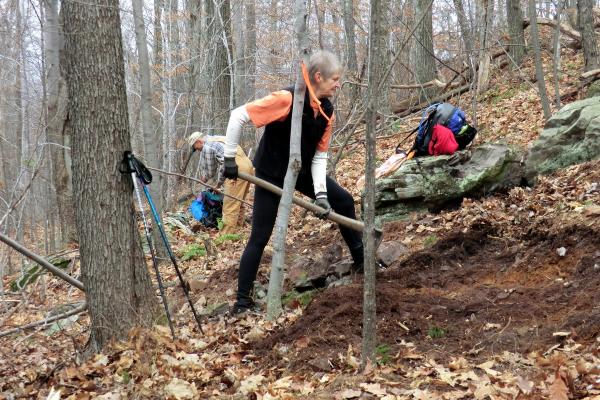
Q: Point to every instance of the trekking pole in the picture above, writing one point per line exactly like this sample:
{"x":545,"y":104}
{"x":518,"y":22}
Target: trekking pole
{"x":128,"y":163}
{"x":172,"y":256}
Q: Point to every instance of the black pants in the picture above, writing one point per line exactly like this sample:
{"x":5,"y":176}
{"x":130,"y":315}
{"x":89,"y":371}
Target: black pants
{"x":263,"y":220}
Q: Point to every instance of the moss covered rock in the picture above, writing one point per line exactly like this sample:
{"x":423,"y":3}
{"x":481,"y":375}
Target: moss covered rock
{"x":430,"y":183}
{"x":571,"y":136}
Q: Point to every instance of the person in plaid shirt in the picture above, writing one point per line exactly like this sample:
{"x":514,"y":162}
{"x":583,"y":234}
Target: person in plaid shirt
{"x":211,"y":168}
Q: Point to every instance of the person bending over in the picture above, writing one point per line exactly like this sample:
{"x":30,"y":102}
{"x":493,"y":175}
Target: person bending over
{"x":274,"y":112}
{"x":211,"y":150}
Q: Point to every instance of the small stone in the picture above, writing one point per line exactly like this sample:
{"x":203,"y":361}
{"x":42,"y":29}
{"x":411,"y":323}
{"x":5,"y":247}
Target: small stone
{"x":561,"y":251}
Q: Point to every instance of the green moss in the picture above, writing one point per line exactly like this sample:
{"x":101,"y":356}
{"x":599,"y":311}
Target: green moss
{"x":192,"y":251}
{"x":436,"y":332}
{"x":234,"y":237}
{"x":303,"y":298}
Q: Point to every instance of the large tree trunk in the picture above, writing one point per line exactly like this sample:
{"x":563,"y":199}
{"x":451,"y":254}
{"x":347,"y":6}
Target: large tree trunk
{"x":221,"y":72}
{"x":118,"y":289}
{"x":516,"y":32}
{"x":585,"y":22}
{"x":57,"y":115}
{"x":423,"y":62}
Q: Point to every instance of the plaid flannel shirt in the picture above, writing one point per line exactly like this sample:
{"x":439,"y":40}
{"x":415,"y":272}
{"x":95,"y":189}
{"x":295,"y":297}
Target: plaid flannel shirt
{"x":211,"y":162}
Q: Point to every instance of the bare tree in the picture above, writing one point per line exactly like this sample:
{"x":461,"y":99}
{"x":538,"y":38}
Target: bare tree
{"x":585,"y":22}
{"x":377,"y":35}
{"x":294,"y":165}
{"x":151,"y":135}
{"x":250,"y":54}
{"x":486,"y":8}
{"x":516,"y":32}
{"x":423,"y":61}
{"x":465,"y":30}
{"x":57,"y":116}
{"x":221,"y":72}
{"x":118,"y":288}
{"x":539,"y":69}
{"x":556,"y":52}
{"x":351,"y":58}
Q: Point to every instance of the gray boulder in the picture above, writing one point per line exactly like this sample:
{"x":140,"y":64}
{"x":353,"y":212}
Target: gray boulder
{"x":430,"y":183}
{"x":571,"y":136}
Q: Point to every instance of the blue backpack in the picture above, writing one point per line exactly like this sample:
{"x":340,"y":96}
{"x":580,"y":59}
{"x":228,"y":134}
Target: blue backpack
{"x":207,"y":208}
{"x":449,"y":116}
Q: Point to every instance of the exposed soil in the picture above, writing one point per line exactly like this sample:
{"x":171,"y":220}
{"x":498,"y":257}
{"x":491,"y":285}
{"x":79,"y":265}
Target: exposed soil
{"x":481,"y":291}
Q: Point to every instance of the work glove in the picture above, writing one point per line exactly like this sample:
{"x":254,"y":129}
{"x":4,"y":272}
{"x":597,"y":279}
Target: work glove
{"x":231,"y":168}
{"x":321,"y":201}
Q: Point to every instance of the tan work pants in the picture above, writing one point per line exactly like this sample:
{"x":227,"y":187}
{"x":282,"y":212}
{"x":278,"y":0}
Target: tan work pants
{"x":232,"y":208}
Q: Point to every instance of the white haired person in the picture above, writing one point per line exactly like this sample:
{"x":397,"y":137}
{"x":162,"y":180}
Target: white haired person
{"x":212,"y":149}
{"x":274,"y":112}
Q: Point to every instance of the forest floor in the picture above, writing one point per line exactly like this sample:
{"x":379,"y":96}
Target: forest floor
{"x":497,"y":299}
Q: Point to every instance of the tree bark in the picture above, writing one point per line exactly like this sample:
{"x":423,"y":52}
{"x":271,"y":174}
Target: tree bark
{"x":239,"y":49}
{"x":250,"y":56}
{"x":539,"y":69}
{"x":295,"y":163}
{"x":320,"y":14}
{"x":585,"y":22}
{"x":352,"y":60}
{"x":516,"y":32}
{"x":221,"y":72}
{"x":556,"y":51}
{"x":467,"y":37}
{"x":376,"y":54}
{"x":57,"y":114}
{"x":113,"y":269}
{"x":152,"y":139}
{"x":423,"y":61}
{"x":486,"y":19}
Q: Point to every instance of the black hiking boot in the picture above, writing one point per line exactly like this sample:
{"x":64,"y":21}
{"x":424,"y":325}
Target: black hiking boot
{"x":243,"y":307}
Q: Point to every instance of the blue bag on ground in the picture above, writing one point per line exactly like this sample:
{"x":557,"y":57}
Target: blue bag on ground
{"x":207,"y":208}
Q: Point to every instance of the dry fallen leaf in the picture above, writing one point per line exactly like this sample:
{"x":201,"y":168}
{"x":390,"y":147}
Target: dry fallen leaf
{"x":302,"y":342}
{"x":350,"y":394}
{"x":524,"y":385}
{"x":251,"y":384}
{"x":180,"y":389}
{"x":558,"y":390}
{"x":373,"y":388}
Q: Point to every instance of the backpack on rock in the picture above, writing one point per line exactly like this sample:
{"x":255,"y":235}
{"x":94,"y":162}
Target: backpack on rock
{"x":443,"y":129}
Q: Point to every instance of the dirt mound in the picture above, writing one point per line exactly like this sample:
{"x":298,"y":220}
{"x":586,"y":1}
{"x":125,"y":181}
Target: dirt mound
{"x":474,"y":293}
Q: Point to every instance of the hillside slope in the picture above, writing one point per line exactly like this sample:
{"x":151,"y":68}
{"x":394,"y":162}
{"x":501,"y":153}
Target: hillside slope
{"x":498,"y":299}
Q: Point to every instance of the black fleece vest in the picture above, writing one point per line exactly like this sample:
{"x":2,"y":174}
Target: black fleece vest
{"x":273,"y":153}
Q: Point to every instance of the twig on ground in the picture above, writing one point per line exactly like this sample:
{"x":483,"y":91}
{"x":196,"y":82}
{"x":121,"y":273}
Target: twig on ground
{"x":67,"y":314}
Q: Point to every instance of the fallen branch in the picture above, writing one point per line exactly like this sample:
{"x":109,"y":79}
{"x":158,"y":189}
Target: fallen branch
{"x":67,"y":314}
{"x":403,"y":111}
{"x":199,"y":181}
{"x":565,"y":29}
{"x":589,"y":74}
{"x":434,"y":82}
{"x":42,"y":262}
